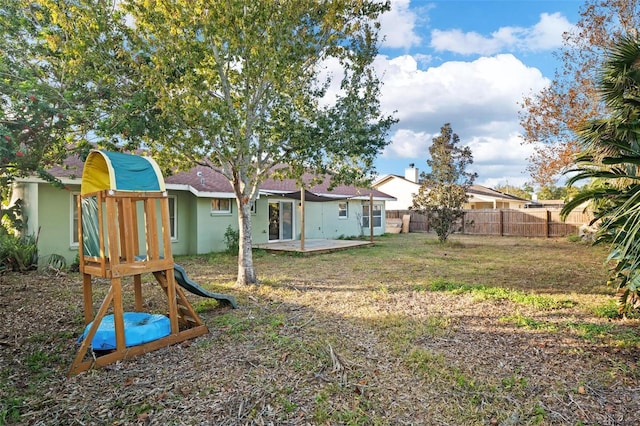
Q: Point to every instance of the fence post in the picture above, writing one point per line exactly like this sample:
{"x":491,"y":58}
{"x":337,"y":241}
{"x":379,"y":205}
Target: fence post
{"x":547,"y":223}
{"x":501,"y":224}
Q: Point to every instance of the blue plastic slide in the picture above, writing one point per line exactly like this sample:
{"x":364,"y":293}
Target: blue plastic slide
{"x":187,"y":284}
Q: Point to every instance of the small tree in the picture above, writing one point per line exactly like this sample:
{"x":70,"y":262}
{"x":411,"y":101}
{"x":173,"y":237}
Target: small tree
{"x":443,"y":191}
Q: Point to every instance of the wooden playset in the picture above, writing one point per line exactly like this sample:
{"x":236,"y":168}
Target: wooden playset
{"x":119,"y":192}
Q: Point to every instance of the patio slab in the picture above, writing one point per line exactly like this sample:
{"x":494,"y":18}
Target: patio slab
{"x":312,"y":246}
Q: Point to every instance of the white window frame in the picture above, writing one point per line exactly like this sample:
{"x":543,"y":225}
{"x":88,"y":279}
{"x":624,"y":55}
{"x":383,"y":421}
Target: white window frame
{"x":376,"y":208}
{"x":74,"y":218}
{"x":343,"y":213}
{"x":174,"y":228}
{"x":227,"y":211}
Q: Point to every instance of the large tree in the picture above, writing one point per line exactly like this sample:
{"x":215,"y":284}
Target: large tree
{"x":443,"y":190}
{"x":242,"y":86}
{"x":610,"y":161}
{"x":52,"y":68}
{"x":551,"y":118}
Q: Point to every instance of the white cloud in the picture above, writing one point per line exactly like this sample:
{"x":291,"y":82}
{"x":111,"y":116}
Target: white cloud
{"x":467,"y":43}
{"x":546,"y":34}
{"x":397,"y":26}
{"x":406,"y":143}
{"x":479,"y":98}
{"x":480,"y":92}
{"x":500,"y":160}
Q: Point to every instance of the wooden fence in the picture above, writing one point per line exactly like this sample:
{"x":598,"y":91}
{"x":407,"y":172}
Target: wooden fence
{"x":506,"y":222}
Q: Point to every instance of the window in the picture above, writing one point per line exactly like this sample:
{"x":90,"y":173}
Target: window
{"x":221,"y":205}
{"x":173,"y":221}
{"x":74,"y":218}
{"x":343,"y":210}
{"x":377,"y":215}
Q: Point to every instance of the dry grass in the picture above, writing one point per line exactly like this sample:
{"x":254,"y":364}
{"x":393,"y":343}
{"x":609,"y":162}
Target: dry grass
{"x":479,"y":331}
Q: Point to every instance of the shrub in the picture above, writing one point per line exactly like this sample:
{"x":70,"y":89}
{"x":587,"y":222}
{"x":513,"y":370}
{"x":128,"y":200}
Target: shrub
{"x":232,"y":240}
{"x":18,"y":253}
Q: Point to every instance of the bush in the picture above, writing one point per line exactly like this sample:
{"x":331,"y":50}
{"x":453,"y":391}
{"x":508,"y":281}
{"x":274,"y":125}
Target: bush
{"x":232,"y":240}
{"x":18,"y":253}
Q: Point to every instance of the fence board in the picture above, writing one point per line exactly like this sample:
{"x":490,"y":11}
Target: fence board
{"x":507,"y":222}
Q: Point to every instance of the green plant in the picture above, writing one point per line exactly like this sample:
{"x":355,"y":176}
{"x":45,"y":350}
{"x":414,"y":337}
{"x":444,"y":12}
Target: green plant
{"x":520,"y":320}
{"x":11,"y":216}
{"x":75,"y":266}
{"x":481,"y":292}
{"x":232,"y":240}
{"x":10,"y":410}
{"x":609,"y":160}
{"x":18,"y":253}
{"x":608,"y":310}
{"x":56,"y":263}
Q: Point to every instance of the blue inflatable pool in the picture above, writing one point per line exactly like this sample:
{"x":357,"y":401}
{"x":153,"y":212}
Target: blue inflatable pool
{"x":139,"y":328}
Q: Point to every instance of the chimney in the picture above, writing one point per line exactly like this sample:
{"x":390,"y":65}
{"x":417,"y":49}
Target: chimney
{"x":411,"y":173}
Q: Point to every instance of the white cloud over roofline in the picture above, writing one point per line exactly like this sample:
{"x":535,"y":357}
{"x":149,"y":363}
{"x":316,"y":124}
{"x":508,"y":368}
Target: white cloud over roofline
{"x":546,"y":34}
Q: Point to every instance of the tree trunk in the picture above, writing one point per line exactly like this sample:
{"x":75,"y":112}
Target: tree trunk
{"x":246,"y":272}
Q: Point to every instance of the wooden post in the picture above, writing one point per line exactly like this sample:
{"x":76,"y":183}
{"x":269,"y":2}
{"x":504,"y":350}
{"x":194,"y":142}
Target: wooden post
{"x":302,"y":219}
{"x":371,"y":216}
{"x":104,"y":257}
{"x":546,"y":223}
{"x":501,"y":223}
{"x":151,"y":220}
{"x":87,"y":292}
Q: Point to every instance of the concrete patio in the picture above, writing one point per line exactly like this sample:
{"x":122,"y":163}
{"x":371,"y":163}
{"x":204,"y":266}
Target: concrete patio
{"x":312,"y":246}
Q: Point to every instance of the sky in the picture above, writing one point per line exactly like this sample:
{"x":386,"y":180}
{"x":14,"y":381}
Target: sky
{"x":468,"y":63}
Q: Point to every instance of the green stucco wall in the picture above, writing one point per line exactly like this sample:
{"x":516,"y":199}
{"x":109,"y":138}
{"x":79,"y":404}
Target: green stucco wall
{"x":54,"y":222}
{"x":199,"y":231}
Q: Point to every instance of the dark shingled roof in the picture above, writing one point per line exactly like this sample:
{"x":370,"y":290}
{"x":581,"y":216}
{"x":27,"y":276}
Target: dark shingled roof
{"x":206,"y":180}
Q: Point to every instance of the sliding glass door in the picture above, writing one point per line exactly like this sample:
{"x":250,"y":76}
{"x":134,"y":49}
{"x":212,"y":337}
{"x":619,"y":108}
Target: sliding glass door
{"x":280,"y":220}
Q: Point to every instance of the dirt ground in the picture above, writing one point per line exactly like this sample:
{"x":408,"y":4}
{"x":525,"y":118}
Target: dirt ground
{"x":347,"y":338}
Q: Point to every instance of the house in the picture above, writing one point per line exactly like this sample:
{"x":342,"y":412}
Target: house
{"x":403,"y":188}
{"x":202,"y":207}
{"x":481,"y":197}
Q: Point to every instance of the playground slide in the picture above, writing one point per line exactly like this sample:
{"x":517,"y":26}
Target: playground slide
{"x":187,"y":284}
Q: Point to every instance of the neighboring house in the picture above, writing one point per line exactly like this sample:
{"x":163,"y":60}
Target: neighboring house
{"x":202,"y":207}
{"x":402,"y":188}
{"x":479,"y":197}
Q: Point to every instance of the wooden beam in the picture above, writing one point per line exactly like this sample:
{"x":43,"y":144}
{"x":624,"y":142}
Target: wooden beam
{"x":81,"y":365}
{"x":84,"y":346}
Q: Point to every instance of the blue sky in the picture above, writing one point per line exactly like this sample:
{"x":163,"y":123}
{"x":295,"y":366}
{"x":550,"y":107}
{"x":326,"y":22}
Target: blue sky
{"x":468,"y":63}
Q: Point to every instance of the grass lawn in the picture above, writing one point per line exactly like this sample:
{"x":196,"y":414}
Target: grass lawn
{"x":477,"y":331}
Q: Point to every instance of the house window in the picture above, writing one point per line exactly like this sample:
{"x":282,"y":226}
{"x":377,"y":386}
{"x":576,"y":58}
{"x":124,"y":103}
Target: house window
{"x":343,"y":210}
{"x":377,"y":216}
{"x":254,"y":210}
{"x":173,"y":217}
{"x":74,"y":219}
{"x":221,"y":205}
